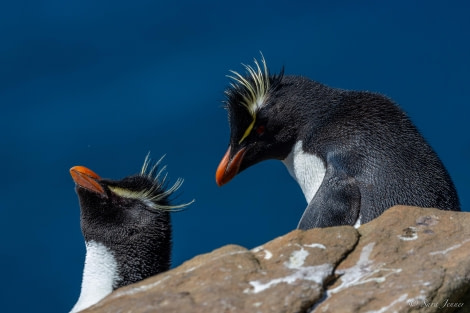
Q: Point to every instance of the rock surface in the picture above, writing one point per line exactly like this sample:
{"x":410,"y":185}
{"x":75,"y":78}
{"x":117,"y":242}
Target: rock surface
{"x":407,"y":260}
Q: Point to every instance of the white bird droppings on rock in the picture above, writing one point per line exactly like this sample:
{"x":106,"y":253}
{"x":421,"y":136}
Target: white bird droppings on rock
{"x":316,"y":274}
{"x":315,"y":245}
{"x":297,"y":259}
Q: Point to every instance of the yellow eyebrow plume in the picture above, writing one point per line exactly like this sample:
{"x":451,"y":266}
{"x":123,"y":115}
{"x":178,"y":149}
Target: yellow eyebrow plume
{"x":152,"y":196}
{"x":256,"y":87}
{"x":248,"y":130}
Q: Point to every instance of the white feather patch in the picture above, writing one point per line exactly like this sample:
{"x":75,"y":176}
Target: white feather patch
{"x":100,"y":275}
{"x":307,"y":169}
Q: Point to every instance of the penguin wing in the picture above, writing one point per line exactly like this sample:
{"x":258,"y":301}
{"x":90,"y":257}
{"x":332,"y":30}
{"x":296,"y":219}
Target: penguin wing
{"x":337,"y":202}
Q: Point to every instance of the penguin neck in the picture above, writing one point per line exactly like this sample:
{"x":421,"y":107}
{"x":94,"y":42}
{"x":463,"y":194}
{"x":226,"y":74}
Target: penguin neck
{"x":306,"y":168}
{"x":100,"y":275}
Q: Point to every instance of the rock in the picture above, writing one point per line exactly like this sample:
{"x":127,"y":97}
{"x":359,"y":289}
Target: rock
{"x":407,"y":260}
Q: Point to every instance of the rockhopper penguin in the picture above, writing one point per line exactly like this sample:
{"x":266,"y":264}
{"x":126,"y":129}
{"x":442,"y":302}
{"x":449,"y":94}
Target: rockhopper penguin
{"x":127,"y":229}
{"x":353,"y":153}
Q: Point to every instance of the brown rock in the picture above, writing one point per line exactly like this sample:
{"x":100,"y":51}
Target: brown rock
{"x":407,"y":260}
{"x":284,"y":275}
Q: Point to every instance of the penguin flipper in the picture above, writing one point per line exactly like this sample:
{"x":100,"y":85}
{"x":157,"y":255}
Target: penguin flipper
{"x":337,"y":202}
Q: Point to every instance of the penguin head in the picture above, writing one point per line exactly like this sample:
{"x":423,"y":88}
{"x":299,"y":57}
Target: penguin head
{"x":261,"y":118}
{"x":136,"y":205}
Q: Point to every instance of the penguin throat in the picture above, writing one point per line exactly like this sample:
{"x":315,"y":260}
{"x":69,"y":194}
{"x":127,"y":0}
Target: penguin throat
{"x":307,"y":169}
{"x":100,"y":275}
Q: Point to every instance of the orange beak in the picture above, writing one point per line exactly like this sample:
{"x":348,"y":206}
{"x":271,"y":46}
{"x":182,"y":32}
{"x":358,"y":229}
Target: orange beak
{"x":86,"y":178}
{"x":228,"y":168}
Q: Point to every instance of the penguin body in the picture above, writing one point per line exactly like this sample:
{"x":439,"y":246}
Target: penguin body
{"x":354,"y":154}
{"x":127,"y":229}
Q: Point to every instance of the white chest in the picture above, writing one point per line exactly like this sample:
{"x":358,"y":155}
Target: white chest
{"x":307,"y":169}
{"x":99,"y":275}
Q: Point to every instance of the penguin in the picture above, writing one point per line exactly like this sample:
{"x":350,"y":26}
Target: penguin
{"x":126,"y":226}
{"x":353,"y":153}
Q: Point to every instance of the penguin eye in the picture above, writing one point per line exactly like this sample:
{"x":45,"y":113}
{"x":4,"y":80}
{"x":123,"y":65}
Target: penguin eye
{"x":260,"y":129}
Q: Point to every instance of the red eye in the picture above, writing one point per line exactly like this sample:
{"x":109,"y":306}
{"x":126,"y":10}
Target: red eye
{"x":260,"y":130}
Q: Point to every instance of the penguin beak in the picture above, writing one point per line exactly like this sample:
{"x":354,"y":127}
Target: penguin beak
{"x":229,"y":167}
{"x":86,"y":178}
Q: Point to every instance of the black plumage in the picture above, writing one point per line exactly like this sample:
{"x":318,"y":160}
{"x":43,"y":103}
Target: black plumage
{"x":127,"y":229}
{"x":139,"y":236}
{"x":372,"y":156}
